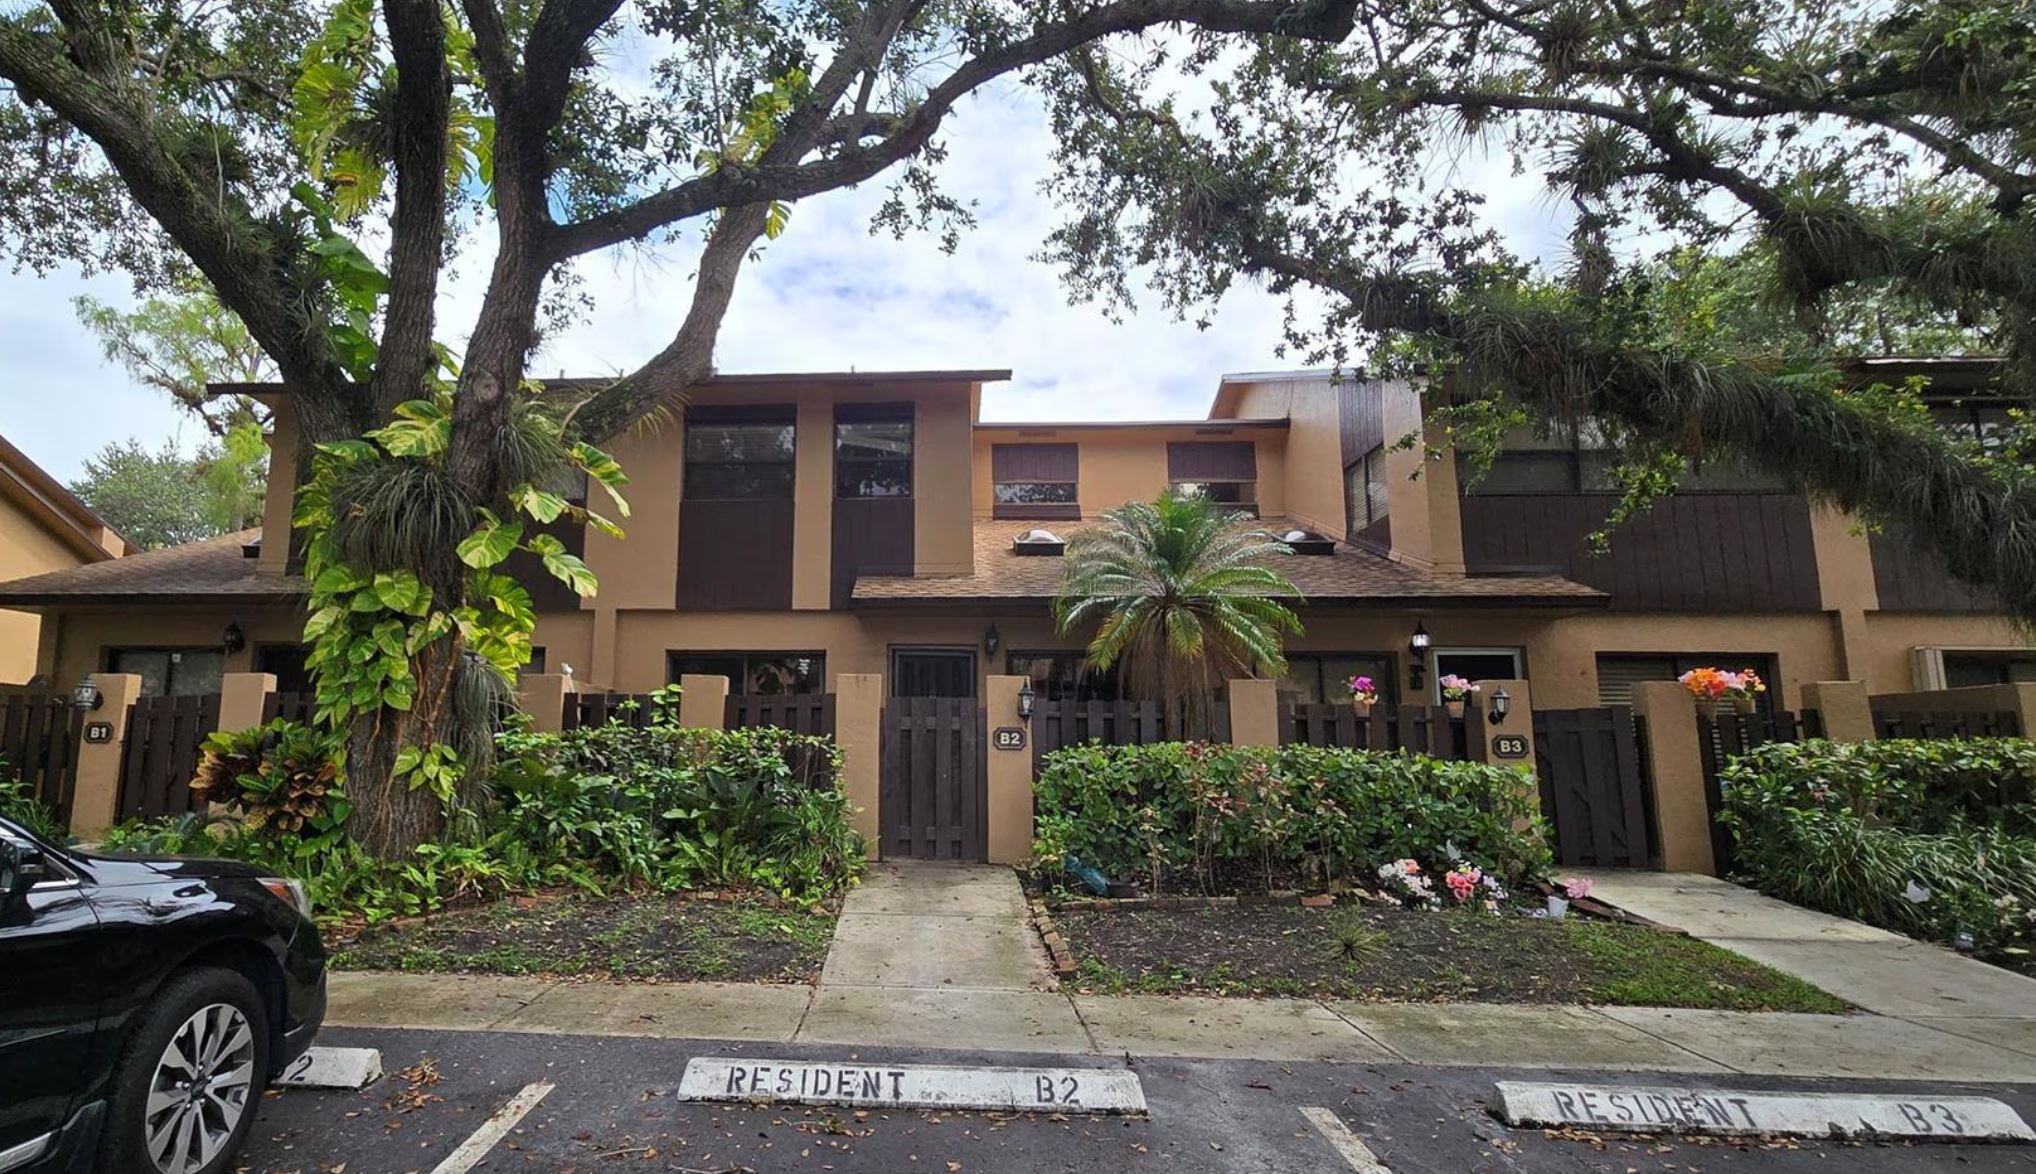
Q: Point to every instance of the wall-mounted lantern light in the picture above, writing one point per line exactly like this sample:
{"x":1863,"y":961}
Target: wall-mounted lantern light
{"x":992,"y":639}
{"x":86,"y":695}
{"x":1417,"y":667}
{"x":233,"y":638}
{"x":1025,"y":699}
{"x":1501,"y":706}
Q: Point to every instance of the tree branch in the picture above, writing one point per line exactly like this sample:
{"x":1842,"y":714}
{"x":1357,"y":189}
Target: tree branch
{"x":417,"y":227}
{"x":1327,"y":20}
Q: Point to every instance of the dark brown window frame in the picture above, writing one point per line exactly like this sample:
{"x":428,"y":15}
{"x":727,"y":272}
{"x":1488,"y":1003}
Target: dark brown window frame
{"x":784,"y":417}
{"x":735,"y":686}
{"x":851,"y":415}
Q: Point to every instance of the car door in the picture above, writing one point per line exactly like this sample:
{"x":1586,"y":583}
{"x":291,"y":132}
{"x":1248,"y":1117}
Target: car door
{"x":49,"y":1002}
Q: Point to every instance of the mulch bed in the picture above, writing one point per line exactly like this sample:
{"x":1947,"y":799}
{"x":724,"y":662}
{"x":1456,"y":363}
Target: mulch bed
{"x":1378,"y":953}
{"x":629,"y":936}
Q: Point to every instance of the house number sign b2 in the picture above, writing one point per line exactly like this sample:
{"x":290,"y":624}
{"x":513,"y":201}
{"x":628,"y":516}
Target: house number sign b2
{"x":1008,"y":737}
{"x":1509,"y":746}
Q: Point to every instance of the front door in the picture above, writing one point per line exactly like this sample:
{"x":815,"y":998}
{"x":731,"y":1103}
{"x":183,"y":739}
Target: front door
{"x":933,"y":672}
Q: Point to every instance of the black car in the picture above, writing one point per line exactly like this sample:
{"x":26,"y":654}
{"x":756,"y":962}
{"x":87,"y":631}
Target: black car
{"x":144,"y":1006}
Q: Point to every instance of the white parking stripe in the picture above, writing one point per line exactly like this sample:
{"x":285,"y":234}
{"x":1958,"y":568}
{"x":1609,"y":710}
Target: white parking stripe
{"x":494,"y":1129}
{"x":1332,"y":1128}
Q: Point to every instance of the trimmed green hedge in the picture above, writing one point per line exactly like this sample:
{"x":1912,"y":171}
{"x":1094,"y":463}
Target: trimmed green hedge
{"x":1213,"y":817}
{"x":1929,"y":838}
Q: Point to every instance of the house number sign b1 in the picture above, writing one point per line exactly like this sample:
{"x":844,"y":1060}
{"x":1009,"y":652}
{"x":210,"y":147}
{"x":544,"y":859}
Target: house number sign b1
{"x":1509,"y":745}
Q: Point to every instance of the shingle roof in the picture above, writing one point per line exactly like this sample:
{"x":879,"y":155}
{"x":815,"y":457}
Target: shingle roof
{"x":1350,"y":575}
{"x":214,"y":568}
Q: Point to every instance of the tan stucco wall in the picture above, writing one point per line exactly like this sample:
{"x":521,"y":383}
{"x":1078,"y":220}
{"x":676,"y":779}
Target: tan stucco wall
{"x":1129,"y":463}
{"x":1310,"y":474}
{"x":26,"y":548}
{"x":943,"y":542}
{"x":77,"y":645}
{"x":1891,"y":636}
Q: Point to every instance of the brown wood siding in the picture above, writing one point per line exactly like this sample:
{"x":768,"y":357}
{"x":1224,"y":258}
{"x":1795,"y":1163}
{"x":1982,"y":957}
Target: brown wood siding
{"x":1360,"y":415}
{"x":1212,"y":460}
{"x":735,"y":555}
{"x":1035,"y":462}
{"x":872,"y":536}
{"x":1910,"y":578}
{"x":1711,"y":552}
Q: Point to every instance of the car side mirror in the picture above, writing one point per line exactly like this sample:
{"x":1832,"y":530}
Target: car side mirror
{"x":20,"y":867}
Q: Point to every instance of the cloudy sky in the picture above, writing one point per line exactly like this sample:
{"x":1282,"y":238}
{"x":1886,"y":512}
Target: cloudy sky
{"x":828,"y":295}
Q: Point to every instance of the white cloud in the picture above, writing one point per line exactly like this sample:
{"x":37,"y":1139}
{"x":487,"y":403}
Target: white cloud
{"x":827,"y":296}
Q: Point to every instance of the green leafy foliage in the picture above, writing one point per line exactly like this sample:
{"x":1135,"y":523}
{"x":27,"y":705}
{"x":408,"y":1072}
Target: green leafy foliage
{"x":1930,"y":838}
{"x":679,"y":808}
{"x":1216,"y":817}
{"x":594,"y":808}
{"x":1182,"y":594}
{"x":283,"y":780}
{"x":19,"y":802}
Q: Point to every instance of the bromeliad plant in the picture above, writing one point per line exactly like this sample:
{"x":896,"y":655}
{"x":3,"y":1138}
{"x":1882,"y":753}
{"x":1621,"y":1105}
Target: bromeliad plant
{"x":394,"y":631}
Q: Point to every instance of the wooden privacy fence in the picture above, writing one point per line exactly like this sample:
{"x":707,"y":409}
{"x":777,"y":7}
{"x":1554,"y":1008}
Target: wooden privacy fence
{"x":291,"y":707}
{"x":1421,"y":729}
{"x":1723,"y":736}
{"x":1594,"y":790}
{"x":39,"y":735}
{"x":801,"y":713}
{"x":598,"y":709}
{"x":1114,"y":723}
{"x":1897,"y":724}
{"x":165,"y":736}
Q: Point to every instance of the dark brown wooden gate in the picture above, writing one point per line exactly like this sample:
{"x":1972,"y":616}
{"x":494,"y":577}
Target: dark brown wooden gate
{"x":165,"y":737}
{"x":1726,"y":735}
{"x":801,"y":713}
{"x":1420,"y":729}
{"x":933,"y":803}
{"x":39,"y":736}
{"x":1594,"y":790}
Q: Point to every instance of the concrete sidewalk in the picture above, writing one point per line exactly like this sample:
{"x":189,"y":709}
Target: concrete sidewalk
{"x":943,"y":956}
{"x":1870,"y":968}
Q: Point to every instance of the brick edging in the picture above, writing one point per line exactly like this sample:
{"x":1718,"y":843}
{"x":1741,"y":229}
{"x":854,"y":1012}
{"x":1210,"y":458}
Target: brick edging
{"x":1049,"y":935}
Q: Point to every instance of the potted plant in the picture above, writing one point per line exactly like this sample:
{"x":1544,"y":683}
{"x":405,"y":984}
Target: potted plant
{"x":1745,"y":690}
{"x":1363,"y":695}
{"x":1456,"y":693}
{"x":1707,"y":686}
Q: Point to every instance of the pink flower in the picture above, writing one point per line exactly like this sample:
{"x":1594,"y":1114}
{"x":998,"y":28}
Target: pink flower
{"x":1577,"y":887}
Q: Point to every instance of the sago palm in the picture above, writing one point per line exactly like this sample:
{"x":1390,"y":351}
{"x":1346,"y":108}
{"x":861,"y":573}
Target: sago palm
{"x":1183,"y":596}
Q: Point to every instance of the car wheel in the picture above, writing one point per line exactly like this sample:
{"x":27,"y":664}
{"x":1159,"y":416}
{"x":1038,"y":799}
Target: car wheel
{"x":190,"y":1080}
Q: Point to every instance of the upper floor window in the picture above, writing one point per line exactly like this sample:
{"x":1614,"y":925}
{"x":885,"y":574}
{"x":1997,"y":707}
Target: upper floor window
{"x":1222,"y":471}
{"x":731,"y":457}
{"x":1364,"y":491}
{"x":178,"y":672}
{"x":873,"y":450}
{"x":1036,"y":480}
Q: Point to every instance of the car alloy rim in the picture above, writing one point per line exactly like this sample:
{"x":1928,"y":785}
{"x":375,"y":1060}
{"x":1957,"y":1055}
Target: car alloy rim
{"x":199,"y":1090}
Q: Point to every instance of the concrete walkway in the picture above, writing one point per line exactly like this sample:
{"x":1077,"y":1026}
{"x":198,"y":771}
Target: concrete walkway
{"x":942,"y":957}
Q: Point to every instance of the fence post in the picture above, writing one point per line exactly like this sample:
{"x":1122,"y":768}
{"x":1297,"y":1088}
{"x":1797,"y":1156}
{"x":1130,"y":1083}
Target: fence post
{"x":95,"y":803}
{"x":544,"y":697}
{"x":859,"y":731}
{"x":1843,"y":709}
{"x":1675,"y":771}
{"x":1254,"y":713}
{"x":1484,"y":738}
{"x":242,"y":698}
{"x":703,"y":701}
{"x":1010,"y":775}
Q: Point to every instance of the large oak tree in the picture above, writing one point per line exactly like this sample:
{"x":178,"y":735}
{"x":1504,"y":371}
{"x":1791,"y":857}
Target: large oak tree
{"x":1754,"y":192}
{"x":318,"y":164}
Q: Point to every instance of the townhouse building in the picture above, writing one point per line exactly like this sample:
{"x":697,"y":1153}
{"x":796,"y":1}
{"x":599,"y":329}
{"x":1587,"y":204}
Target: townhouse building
{"x":794,"y":527}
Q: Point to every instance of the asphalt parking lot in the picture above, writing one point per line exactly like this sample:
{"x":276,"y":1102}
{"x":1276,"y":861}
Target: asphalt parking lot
{"x":611,"y":1106}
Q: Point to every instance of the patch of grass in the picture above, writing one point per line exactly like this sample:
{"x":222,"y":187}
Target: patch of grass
{"x":1647,"y":968}
{"x":626,"y":936}
{"x":1372,"y":952}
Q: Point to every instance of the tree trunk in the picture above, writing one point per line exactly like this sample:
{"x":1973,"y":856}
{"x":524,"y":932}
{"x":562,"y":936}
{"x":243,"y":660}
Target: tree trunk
{"x":390,"y":818}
